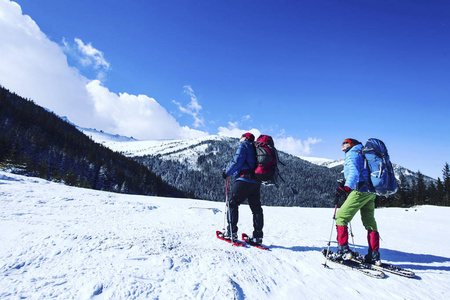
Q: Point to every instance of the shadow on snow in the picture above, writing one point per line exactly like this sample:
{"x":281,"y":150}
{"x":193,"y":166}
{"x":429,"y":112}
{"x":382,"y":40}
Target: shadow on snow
{"x":399,"y":258}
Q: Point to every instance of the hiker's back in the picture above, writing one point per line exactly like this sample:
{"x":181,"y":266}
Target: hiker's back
{"x":267,"y":160}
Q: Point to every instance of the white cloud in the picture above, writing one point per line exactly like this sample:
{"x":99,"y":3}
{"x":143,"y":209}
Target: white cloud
{"x":193,"y":108}
{"x":295,"y":146}
{"x":286,"y":144}
{"x":138,"y":116}
{"x":88,"y":57}
{"x":233,"y":131}
{"x":91,"y":56}
{"x":34,"y":67}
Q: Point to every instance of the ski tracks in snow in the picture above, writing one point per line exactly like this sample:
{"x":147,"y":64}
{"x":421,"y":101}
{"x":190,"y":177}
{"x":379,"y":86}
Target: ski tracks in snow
{"x":86,"y":244}
{"x":79,"y":243}
{"x":72,"y":243}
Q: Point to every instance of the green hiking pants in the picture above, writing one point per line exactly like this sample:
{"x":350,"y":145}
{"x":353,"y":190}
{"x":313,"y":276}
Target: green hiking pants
{"x":365,"y":202}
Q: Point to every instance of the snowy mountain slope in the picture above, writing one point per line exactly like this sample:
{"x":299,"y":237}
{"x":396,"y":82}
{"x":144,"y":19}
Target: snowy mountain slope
{"x":64,"y":242}
{"x":195,"y":167}
{"x":398,"y":170}
{"x":316,"y":160}
{"x":186,"y":150}
{"x":177,"y":150}
{"x":132,"y":147}
{"x":329,"y":163}
{"x":102,"y":137}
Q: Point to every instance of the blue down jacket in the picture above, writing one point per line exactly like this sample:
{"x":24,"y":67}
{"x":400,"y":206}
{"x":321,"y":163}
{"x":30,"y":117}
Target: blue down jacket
{"x":356,"y":176}
{"x":244,"y":159}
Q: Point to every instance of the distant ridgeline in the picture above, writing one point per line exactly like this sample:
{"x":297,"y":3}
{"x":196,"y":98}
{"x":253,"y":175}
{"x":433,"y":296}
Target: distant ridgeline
{"x":196,"y":169}
{"x":36,"y":142}
{"x":306,"y":184}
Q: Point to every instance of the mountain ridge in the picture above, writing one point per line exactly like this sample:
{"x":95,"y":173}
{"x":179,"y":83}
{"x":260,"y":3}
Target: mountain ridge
{"x":195,"y":165}
{"x":154,"y":147}
{"x":37,"y":142}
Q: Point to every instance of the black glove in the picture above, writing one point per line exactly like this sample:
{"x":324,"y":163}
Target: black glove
{"x":343,"y":191}
{"x":224,"y":175}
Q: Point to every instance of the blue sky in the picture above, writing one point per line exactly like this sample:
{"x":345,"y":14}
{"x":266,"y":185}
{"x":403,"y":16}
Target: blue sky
{"x":310,"y":73}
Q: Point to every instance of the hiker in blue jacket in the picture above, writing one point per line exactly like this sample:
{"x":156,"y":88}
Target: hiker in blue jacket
{"x":359,"y":198}
{"x":245,"y":187}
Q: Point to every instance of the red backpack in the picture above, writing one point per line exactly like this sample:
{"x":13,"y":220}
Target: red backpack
{"x":267,"y":160}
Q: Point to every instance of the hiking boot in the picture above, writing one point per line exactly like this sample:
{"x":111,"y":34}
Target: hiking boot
{"x":373,"y":257}
{"x":255,"y":241}
{"x":231,"y":237}
{"x":343,"y":253}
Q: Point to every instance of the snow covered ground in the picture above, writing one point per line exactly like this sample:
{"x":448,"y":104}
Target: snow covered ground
{"x":71,"y":243}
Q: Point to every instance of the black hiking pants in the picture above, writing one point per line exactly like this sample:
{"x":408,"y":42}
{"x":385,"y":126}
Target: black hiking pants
{"x":242,"y":191}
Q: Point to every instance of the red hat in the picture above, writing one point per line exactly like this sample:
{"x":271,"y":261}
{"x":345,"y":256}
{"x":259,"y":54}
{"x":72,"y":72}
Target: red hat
{"x":352,"y":142}
{"x":249,"y":136}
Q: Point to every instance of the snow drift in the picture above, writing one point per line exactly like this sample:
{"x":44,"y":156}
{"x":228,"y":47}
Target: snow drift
{"x":70,"y":243}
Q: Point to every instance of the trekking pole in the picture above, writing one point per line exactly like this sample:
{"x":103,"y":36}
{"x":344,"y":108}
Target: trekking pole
{"x":336,"y":200}
{"x":351,"y":234}
{"x":226,"y":205}
{"x":227,"y":213}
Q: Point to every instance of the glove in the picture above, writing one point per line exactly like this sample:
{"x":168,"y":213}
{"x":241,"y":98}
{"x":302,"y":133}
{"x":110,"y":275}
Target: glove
{"x":343,"y":191}
{"x":341,"y":182}
{"x":224,"y":175}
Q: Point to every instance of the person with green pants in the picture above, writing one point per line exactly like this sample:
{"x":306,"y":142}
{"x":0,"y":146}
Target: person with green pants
{"x":357,"y":189}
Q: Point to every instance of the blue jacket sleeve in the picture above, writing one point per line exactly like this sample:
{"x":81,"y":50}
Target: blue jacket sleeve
{"x":238,"y":160}
{"x":357,"y":177}
{"x":351,"y":169}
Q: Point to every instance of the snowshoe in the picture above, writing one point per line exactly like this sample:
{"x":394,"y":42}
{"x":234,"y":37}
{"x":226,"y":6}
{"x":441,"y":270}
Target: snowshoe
{"x":373,"y":258}
{"x":343,"y":253}
{"x":231,"y":237}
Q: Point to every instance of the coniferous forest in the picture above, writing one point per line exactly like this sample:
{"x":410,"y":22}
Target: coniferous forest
{"x":36,"y":142}
{"x":305,"y":184}
{"x":417,"y":192}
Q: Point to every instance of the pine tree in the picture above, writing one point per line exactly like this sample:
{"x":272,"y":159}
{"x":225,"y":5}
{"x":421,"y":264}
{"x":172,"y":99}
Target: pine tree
{"x":421,"y":188}
{"x":402,"y":196}
{"x":446,"y":178}
{"x":431,"y":198}
{"x":440,"y":192}
{"x":70,"y":178}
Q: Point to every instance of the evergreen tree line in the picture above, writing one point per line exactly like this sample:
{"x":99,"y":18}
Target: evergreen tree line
{"x":305,"y":184}
{"x":417,"y":192}
{"x":36,"y":142}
